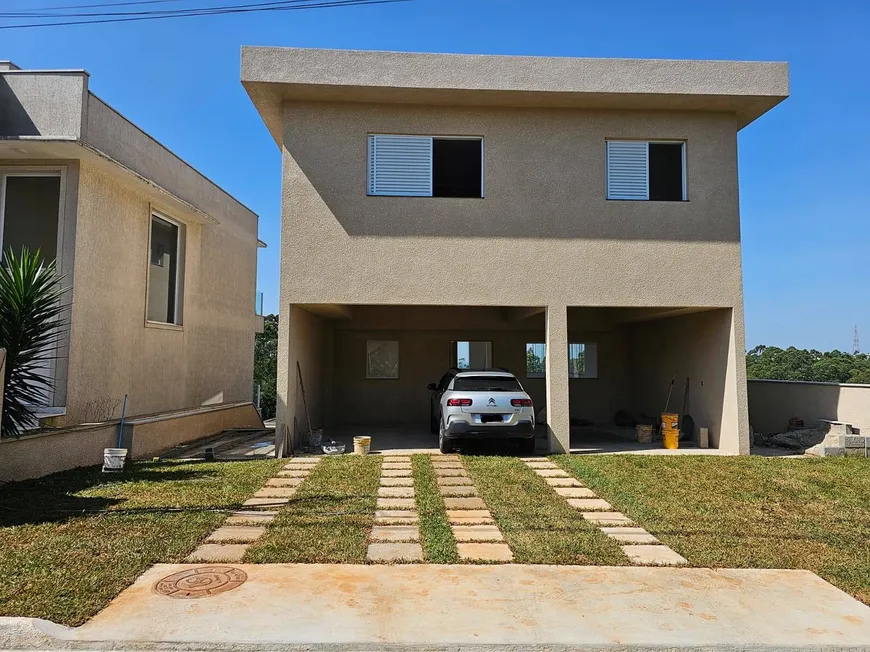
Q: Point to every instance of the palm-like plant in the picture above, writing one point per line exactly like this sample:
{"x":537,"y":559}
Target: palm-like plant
{"x":30,"y":304}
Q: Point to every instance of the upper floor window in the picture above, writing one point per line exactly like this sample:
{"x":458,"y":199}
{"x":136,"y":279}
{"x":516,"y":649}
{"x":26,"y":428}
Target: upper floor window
{"x":165,"y":271}
{"x":646,"y":170}
{"x":425,"y":166}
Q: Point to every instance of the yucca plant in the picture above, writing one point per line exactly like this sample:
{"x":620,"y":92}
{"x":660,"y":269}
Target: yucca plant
{"x":30,"y":331}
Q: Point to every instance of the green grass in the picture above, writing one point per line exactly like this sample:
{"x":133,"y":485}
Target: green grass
{"x":71,"y":541}
{"x":329,"y":518}
{"x":538,"y":524}
{"x":439,"y":546}
{"x":746,"y":511}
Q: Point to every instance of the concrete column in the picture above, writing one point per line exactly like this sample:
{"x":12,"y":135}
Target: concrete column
{"x":283,"y":415}
{"x":556,"y":337}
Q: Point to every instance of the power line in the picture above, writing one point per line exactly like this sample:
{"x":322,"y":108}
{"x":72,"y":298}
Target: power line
{"x":162,"y":12}
{"x":107,"y":5}
{"x":121,"y":17}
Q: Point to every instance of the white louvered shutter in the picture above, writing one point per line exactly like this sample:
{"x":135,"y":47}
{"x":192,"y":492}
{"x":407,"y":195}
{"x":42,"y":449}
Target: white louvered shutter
{"x":627,"y":169}
{"x":400,"y":165}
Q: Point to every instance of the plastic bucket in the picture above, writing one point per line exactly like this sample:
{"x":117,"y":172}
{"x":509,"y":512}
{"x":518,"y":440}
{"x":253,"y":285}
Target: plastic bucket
{"x":113,"y":459}
{"x":644,"y":434}
{"x":671,"y":439}
{"x":361,"y":445}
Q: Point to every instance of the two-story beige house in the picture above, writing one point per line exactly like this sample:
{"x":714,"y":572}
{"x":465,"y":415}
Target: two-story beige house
{"x":573,"y":220}
{"x":160,"y":261}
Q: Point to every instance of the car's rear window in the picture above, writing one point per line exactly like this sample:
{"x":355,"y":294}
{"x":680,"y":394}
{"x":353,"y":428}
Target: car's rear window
{"x":486,"y":384}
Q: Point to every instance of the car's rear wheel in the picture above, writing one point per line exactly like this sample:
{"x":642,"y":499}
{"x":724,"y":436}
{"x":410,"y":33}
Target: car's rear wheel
{"x":444,"y":444}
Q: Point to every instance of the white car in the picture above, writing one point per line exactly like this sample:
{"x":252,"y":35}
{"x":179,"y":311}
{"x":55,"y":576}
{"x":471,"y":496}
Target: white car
{"x":481,"y":404}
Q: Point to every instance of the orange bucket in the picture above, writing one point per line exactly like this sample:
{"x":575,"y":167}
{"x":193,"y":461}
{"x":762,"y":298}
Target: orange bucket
{"x":671,"y":430}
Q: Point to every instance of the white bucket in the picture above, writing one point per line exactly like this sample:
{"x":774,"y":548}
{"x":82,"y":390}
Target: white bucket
{"x":113,"y":459}
{"x":361,"y":445}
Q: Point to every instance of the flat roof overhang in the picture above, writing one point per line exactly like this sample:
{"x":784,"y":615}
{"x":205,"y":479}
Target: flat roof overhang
{"x":272,"y":76}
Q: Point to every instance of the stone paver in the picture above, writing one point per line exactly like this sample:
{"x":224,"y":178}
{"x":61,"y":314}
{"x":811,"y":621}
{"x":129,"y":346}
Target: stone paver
{"x":396,"y":503}
{"x":477,"y":533}
{"x":459,"y":491}
{"x":471,"y":520}
{"x":451,"y":473}
{"x":653,"y":555}
{"x":542,"y":465}
{"x":265,"y":502}
{"x":457,"y":481}
{"x":394,"y":552}
{"x":396,"y":492}
{"x":551,"y":473}
{"x":468,"y":513}
{"x":640,"y":537}
{"x":575,"y":492}
{"x":401,"y":459}
{"x":447,"y":465}
{"x":293,"y":474}
{"x":485,"y":551}
{"x":284,"y":482}
{"x":250,"y":518}
{"x":396,"y":473}
{"x":590,"y":504}
{"x":209,"y":552}
{"x":607,"y":518}
{"x":397,"y":482}
{"x":464,"y":503}
{"x":275,"y":492}
{"x":236,"y":533}
{"x":396,"y":465}
{"x":563,"y":482}
{"x":303,"y":468}
{"x":395,"y":533}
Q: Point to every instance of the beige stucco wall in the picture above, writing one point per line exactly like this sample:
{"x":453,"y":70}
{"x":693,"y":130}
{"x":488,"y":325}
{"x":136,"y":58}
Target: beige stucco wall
{"x":773,"y":402}
{"x":48,"y":104}
{"x":703,"y":348}
{"x":112,"y":349}
{"x":544,"y":234}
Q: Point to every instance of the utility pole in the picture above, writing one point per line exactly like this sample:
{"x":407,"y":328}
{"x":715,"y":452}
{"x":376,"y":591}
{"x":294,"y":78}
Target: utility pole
{"x":856,"y":349}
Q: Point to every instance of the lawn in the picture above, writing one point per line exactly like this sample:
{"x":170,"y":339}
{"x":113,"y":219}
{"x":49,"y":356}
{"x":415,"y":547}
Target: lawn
{"x":329,"y":518}
{"x":537,"y":523}
{"x":436,"y":537}
{"x":746,"y":511}
{"x":71,"y":541}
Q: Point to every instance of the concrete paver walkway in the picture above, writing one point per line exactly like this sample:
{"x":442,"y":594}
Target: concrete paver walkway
{"x":638,"y":545}
{"x":230,"y":541}
{"x":364,"y":607}
{"x":477,"y":535}
{"x":396,"y":533}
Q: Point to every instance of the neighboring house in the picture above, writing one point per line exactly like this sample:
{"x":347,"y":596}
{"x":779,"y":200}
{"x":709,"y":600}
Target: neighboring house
{"x":573,"y":220}
{"x":162,"y":262}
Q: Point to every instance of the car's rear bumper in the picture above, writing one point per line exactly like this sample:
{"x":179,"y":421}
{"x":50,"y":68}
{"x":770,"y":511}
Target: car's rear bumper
{"x":463,"y":430}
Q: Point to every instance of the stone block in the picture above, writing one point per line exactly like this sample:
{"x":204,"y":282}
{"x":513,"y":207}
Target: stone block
{"x":466,"y":490}
{"x":653,"y":555}
{"x":284,"y":482}
{"x":293,"y":473}
{"x":484,"y":551}
{"x":552,"y":473}
{"x":563,"y":482}
{"x":477,"y":533}
{"x":400,"y":459}
{"x":855,"y":452}
{"x":468,"y":513}
{"x":464,"y":503}
{"x":236,"y":534}
{"x":855,"y":441}
{"x":250,"y":518}
{"x":833,"y":451}
{"x":405,"y":466}
{"x":217,"y":552}
{"x":275,"y":492}
{"x":542,"y":465}
{"x":590,"y":504}
{"x":397,"y":482}
{"x":396,"y":473}
{"x":575,"y":492}
{"x":396,"y":492}
{"x":394,"y":552}
{"x":455,"y":481}
{"x":471,"y":520}
{"x":635,"y":538}
{"x":451,"y":473}
{"x":265,"y":502}
{"x":607,"y":518}
{"x":395,"y":533}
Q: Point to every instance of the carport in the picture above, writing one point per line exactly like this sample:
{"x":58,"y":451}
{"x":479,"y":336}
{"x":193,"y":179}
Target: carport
{"x":365,"y":368}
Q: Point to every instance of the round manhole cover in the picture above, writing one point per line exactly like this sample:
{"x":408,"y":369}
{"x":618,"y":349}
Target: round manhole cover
{"x":200,"y":582}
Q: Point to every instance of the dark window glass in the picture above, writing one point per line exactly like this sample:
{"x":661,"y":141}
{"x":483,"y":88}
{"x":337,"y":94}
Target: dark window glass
{"x":457,"y":167}
{"x":666,"y":171}
{"x":163,"y":271}
{"x":486,"y":384}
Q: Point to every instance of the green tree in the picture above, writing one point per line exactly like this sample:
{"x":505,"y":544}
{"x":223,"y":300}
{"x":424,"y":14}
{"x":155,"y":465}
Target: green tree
{"x":30,"y":305}
{"x":534,"y":362}
{"x":773,"y":363}
{"x":266,"y":365}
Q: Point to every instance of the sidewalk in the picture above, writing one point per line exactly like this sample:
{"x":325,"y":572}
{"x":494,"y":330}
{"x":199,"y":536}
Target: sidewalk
{"x":442,"y":607}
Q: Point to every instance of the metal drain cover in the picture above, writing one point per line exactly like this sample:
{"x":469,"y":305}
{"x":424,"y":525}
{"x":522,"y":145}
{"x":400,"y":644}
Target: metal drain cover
{"x":200,"y":582}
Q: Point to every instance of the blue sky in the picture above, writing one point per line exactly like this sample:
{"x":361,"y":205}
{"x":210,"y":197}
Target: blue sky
{"x":804,"y":167}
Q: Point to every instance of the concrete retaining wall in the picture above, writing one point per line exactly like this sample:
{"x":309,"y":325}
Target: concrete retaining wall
{"x":773,"y":402}
{"x":34,"y":456}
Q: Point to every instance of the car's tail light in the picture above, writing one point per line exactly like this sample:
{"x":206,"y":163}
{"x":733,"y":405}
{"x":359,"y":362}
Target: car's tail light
{"x":458,"y":402}
{"x":521,"y":402}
